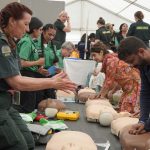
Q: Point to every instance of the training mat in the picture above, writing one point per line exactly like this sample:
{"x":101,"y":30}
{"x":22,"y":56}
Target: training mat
{"x":98,"y":134}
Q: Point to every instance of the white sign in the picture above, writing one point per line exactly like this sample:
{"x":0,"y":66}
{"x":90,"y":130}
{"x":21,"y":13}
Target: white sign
{"x":78,"y":70}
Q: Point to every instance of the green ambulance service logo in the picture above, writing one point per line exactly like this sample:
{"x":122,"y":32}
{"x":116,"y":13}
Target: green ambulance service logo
{"x":6,"y":51}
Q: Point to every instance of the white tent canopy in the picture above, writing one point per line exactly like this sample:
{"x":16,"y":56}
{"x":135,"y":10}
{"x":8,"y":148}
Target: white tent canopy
{"x":113,"y":11}
{"x":85,"y":13}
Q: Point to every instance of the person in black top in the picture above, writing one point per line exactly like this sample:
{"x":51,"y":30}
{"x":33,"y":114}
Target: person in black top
{"x":61,"y":28}
{"x":92,"y":37}
{"x":110,"y":27}
{"x":91,"y":41}
{"x":81,"y":47}
{"x":140,"y":28}
{"x":102,"y":33}
{"x":122,"y":33}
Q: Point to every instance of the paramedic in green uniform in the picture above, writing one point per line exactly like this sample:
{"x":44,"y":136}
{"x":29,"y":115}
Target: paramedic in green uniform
{"x":51,"y":54}
{"x":30,"y":56}
{"x":45,"y":43}
{"x":14,"y":134}
{"x":102,"y":33}
{"x":32,"y":60}
{"x":140,"y":29}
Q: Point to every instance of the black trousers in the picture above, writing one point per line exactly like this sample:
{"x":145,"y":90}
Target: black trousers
{"x":29,"y":100}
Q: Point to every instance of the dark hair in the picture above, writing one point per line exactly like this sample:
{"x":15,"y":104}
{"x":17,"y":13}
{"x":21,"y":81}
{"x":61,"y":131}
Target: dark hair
{"x":83,"y":38}
{"x":98,"y":47}
{"x":92,"y":35}
{"x":45,"y":28}
{"x":139,"y":15}
{"x":35,"y":23}
{"x":48,"y":26}
{"x":129,"y":46}
{"x":101,"y":21}
{"x":120,"y":28}
{"x":15,"y":10}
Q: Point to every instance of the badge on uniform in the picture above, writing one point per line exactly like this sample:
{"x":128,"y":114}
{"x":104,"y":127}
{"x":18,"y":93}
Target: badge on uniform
{"x":16,"y":98}
{"x":6,"y":51}
{"x":35,"y":50}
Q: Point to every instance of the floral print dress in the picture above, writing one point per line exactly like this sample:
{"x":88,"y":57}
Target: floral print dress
{"x":128,"y":78}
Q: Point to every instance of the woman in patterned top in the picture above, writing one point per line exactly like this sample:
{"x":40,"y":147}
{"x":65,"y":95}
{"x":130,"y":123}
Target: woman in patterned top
{"x":117,"y":72}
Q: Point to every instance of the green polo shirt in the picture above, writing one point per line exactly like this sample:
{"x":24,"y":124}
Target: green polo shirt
{"x":50,"y":56}
{"x":60,"y":58}
{"x":27,"y":51}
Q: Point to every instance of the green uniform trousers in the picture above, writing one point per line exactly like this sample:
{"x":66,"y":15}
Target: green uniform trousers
{"x":14,"y":134}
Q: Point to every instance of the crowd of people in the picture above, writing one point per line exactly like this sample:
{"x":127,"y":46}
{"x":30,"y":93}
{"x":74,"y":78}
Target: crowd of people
{"x":31,"y":56}
{"x":15,"y":25}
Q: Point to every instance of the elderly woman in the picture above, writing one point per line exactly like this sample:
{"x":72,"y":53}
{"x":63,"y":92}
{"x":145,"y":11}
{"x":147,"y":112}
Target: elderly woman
{"x":14,"y":23}
{"x":67,"y":49}
{"x":57,"y":56}
{"x":61,"y":27}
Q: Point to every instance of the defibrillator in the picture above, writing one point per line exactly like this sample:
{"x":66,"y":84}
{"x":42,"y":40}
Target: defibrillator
{"x":68,"y":115}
